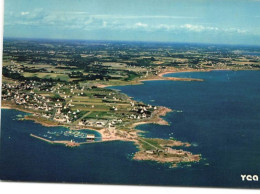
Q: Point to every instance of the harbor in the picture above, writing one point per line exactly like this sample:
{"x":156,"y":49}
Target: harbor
{"x":70,"y":143}
{"x":70,"y":138}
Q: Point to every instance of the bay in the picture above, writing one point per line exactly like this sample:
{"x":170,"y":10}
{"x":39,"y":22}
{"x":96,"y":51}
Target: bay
{"x":220,"y":117}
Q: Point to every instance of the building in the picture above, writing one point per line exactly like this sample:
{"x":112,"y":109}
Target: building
{"x":91,"y":137}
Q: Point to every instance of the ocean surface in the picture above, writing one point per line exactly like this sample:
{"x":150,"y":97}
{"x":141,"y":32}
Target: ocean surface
{"x":220,"y":117}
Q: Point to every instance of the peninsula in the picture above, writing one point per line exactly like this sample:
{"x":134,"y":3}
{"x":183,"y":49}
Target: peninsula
{"x":65,"y":83}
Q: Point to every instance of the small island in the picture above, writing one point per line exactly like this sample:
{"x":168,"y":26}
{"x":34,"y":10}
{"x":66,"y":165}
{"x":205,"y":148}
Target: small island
{"x":61,"y":84}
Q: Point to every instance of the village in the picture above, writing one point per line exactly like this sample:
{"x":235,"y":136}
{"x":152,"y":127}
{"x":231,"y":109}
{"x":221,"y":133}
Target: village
{"x":62,"y":85}
{"x":74,"y":105}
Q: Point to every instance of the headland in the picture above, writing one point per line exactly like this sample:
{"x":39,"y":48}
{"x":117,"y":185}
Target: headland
{"x":67,"y":86}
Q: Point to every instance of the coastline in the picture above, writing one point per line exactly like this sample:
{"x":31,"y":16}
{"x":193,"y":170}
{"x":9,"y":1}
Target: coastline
{"x":105,"y":135}
{"x":160,"y":76}
{"x":5,"y":107}
{"x":184,"y":71}
{"x":160,"y":153}
{"x":169,"y":152}
{"x":132,"y":136}
{"x":155,"y":117}
{"x":204,"y":70}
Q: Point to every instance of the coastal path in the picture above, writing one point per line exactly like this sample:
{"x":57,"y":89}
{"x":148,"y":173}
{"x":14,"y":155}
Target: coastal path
{"x":149,"y":144}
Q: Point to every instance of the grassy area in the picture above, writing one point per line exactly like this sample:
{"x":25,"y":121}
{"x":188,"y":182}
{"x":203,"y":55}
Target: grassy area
{"x":41,"y":120}
{"x":62,"y":77}
{"x":151,"y":143}
{"x":131,"y":76}
{"x":99,"y":114}
{"x":89,"y":108}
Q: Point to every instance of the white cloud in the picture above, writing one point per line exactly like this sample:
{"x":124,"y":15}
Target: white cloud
{"x":199,"y":28}
{"x":143,"y":17}
{"x":106,"y":16}
{"x":85,"y":21}
{"x":140,"y":25}
{"x":25,"y":13}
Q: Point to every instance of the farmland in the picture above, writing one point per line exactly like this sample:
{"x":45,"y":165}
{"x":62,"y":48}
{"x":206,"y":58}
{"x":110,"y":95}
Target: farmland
{"x":64,"y":83}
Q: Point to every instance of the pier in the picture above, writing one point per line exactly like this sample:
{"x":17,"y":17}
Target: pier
{"x":66,"y":143}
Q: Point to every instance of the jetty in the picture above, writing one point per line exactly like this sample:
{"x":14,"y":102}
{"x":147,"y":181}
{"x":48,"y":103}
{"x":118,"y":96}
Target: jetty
{"x":67,"y":143}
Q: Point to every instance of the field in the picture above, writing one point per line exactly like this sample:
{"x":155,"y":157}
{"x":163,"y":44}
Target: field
{"x":62,"y":84}
{"x":51,"y":76}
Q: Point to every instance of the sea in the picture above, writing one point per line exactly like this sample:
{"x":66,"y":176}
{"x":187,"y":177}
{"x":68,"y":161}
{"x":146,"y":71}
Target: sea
{"x":220,"y":117}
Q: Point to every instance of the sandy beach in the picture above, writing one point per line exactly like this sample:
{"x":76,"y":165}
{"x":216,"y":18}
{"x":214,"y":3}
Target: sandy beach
{"x":106,"y":135}
{"x":5,"y":107}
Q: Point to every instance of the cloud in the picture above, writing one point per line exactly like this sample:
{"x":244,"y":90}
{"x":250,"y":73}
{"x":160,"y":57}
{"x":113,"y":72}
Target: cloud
{"x":140,"y":25}
{"x":106,"y":16}
{"x":87,"y":22}
{"x":143,"y":17}
{"x":39,"y":12}
{"x":196,"y":28}
{"x":25,"y":13}
{"x":199,"y":28}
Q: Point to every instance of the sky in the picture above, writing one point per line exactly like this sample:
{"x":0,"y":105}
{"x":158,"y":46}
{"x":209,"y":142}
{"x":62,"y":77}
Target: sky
{"x":198,"y":21}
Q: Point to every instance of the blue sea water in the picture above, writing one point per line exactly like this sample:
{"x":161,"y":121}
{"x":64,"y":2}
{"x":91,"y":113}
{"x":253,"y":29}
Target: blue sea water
{"x":220,"y":117}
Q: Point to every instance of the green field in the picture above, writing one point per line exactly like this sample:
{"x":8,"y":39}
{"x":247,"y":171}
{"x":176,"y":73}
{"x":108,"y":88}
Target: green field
{"x":62,"y":77}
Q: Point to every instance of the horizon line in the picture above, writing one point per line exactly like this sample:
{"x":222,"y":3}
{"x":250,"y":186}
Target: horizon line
{"x":136,"y":41}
